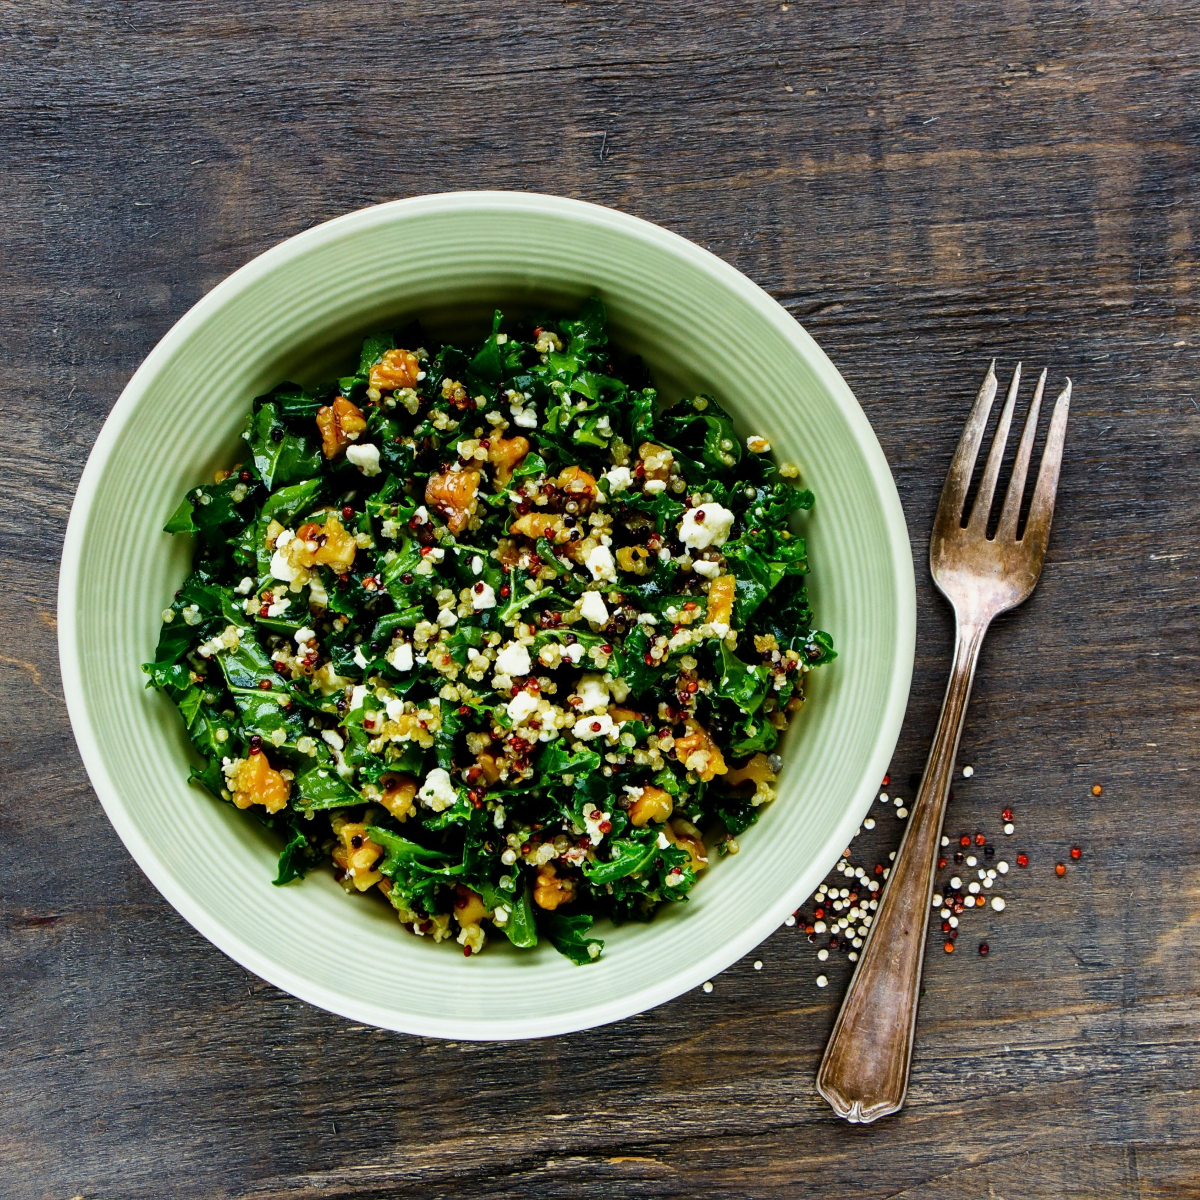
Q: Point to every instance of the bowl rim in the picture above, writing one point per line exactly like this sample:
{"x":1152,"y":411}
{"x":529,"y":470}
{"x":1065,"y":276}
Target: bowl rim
{"x":649,"y":994}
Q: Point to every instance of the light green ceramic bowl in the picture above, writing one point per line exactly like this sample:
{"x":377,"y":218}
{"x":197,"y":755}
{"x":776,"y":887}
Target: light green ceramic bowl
{"x":297,"y":312}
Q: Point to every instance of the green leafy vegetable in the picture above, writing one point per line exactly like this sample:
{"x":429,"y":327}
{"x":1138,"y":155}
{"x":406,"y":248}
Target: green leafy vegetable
{"x":453,"y":683}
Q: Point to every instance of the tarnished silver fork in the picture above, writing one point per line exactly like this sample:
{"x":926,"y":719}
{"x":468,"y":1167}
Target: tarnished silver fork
{"x":864,"y":1074}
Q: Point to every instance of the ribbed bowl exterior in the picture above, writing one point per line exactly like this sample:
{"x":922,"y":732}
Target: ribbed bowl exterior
{"x":297,"y":312}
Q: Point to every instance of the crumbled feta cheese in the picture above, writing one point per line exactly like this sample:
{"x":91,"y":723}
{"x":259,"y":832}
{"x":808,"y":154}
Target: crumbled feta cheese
{"x":593,"y":692}
{"x":513,"y":659}
{"x":317,"y":594}
{"x":654,"y":486}
{"x":574,"y":653}
{"x":526,"y":418}
{"x":521,"y":706}
{"x":360,"y":659}
{"x":421,"y":516}
{"x":708,"y":525}
{"x":619,"y":480}
{"x":447,"y":618}
{"x":357,"y":695}
{"x":244,"y":588}
{"x":305,"y":635}
{"x":663,"y":841}
{"x":281,"y":568}
{"x":600,"y":562}
{"x":332,"y":738}
{"x":594,"y":726}
{"x":364,"y":457}
{"x":401,"y":657}
{"x":278,"y":607}
{"x":227,"y":639}
{"x":593,"y":609}
{"x":710,"y":570}
{"x":437,"y":792}
{"x":394,"y":708}
{"x":476,"y":565}
{"x":593,"y":820}
{"x":483,"y":595}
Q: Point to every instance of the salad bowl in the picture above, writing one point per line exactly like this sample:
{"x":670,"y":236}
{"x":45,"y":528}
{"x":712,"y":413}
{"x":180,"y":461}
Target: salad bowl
{"x":297,"y":312}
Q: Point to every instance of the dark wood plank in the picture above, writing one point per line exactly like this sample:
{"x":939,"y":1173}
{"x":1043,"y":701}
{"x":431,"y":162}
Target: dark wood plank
{"x":923,"y":190}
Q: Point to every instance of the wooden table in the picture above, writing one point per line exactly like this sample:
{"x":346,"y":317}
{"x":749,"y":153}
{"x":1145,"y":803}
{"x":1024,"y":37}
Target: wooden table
{"x":921,"y":191}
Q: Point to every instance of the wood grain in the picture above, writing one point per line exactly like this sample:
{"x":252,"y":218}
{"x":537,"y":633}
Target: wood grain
{"x":923,"y":187}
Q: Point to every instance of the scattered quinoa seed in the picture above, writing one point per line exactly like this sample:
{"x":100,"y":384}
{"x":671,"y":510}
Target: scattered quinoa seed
{"x":968,"y":772}
{"x":758,"y":964}
{"x":822,"y":981}
{"x":984,"y":948}
{"x":1060,"y":868}
{"x":1096,"y":789}
{"x":1076,"y":852}
{"x":707,"y":986}
{"x":998,"y":903}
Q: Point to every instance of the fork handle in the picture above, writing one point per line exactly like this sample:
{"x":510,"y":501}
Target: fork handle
{"x":864,"y":1074}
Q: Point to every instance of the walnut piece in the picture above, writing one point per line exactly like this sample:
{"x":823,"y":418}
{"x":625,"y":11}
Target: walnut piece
{"x":454,"y":495}
{"x":652,"y":805}
{"x":254,"y":781}
{"x":399,"y":794}
{"x":397,"y":369}
{"x":698,"y":752}
{"x":721,"y":593}
{"x":505,"y":455}
{"x":549,"y":891}
{"x":340,"y":423}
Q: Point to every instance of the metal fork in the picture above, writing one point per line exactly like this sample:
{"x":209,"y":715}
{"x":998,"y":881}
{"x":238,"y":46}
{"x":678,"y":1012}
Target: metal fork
{"x":864,"y":1074}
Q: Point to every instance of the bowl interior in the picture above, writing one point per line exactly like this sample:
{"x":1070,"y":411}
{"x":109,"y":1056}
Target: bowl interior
{"x":298,"y":312}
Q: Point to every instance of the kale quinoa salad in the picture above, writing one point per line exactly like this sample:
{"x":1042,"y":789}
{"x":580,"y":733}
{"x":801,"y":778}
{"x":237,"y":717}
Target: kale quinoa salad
{"x":493,"y":634}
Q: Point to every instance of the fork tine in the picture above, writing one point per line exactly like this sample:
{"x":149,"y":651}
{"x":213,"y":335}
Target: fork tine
{"x":1041,"y":508}
{"x":1007,"y":528}
{"x":991,"y":469}
{"x":958,"y":477}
